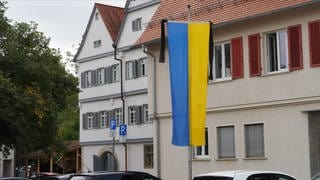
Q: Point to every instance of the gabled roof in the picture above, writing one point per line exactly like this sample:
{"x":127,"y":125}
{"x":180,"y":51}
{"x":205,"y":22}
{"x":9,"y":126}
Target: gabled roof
{"x":217,"y":11}
{"x":112,"y":18}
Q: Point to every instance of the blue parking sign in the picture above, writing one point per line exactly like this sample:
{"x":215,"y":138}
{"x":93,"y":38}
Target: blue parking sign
{"x":123,"y":130}
{"x":113,"y":124}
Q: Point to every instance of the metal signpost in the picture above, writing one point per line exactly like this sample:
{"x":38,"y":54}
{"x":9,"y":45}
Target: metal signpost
{"x":113,"y":127}
{"x":123,"y":133}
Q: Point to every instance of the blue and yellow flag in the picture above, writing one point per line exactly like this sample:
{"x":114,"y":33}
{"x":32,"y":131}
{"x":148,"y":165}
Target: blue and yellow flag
{"x":188,"y":53}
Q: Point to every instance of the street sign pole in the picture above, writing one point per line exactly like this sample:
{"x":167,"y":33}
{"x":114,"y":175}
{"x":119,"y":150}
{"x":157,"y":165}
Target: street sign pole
{"x":113,"y":127}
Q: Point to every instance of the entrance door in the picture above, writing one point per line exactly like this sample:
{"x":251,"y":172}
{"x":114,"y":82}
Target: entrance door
{"x":106,"y":162}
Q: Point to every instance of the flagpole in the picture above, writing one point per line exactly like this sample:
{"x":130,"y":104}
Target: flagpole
{"x":189,"y":147}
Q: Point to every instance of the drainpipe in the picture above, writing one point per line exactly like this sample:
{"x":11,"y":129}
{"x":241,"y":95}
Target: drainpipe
{"x":157,"y":122}
{"x":122,"y":99}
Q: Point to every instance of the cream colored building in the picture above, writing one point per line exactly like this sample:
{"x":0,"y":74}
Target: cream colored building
{"x":268,"y":120}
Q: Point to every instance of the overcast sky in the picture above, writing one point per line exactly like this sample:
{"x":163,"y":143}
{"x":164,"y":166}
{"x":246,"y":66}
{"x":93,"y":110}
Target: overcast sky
{"x":64,"y":21}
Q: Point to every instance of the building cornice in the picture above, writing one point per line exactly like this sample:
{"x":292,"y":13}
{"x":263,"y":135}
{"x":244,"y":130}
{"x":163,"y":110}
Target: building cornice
{"x":142,"y":6}
{"x":256,"y":105}
{"x":110,"y":142}
{"x":112,"y":96}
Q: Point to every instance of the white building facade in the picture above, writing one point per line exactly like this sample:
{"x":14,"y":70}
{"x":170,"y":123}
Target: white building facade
{"x":263,"y":112}
{"x":100,"y":97}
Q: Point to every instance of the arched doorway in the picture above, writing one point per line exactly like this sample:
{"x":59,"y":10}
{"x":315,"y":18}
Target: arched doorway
{"x":106,"y":162}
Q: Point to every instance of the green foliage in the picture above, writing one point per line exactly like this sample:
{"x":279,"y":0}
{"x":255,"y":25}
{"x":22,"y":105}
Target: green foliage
{"x":35,"y":89}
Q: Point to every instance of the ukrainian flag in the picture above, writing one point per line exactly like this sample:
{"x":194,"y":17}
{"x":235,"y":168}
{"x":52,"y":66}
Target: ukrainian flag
{"x":188,"y":44}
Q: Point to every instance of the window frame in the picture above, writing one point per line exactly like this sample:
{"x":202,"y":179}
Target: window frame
{"x":132,"y":115}
{"x":203,"y":154}
{"x":97,"y":43}
{"x":100,"y":76}
{"x":223,"y":62}
{"x":104,"y":121}
{"x":129,"y":70}
{"x":148,"y":156}
{"x":143,"y":67}
{"x":278,"y":55}
{"x":118,"y":116}
{"x":137,"y":24}
{"x":88,"y":78}
{"x":90,"y":120}
{"x":115,"y":73}
{"x":146,"y":117}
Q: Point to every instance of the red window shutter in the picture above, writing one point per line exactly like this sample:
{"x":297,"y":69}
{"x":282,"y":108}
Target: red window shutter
{"x":295,"y":47}
{"x":254,"y":55}
{"x":314,"y":43}
{"x":237,"y":58}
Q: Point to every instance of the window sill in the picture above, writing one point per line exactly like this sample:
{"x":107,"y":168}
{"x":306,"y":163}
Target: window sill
{"x":226,"y":159}
{"x":255,"y":158}
{"x":201,"y":159}
{"x":220,"y":80}
{"x":275,"y":73}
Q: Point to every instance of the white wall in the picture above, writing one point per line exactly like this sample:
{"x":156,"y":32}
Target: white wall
{"x":97,"y":31}
{"x":276,"y":100}
{"x":127,"y":36}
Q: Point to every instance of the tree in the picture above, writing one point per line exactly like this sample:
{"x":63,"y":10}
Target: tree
{"x":34,"y":87}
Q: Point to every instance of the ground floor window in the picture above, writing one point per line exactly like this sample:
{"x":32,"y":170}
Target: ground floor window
{"x":148,"y":156}
{"x":226,"y":146}
{"x":202,"y":152}
{"x":254,"y":140}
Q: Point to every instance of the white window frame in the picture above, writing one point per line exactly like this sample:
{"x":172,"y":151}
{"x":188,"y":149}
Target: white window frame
{"x":96,"y":16}
{"x":97,"y":43}
{"x":90,"y":120}
{"x":115,"y":73}
{"x":148,"y":156}
{"x":132,"y":115}
{"x":137,"y":24}
{"x":143,"y":67}
{"x":223,"y":62}
{"x":118,"y":116}
{"x":267,"y":55}
{"x":104,"y":120}
{"x":88,"y":79}
{"x":202,"y":154}
{"x":100,"y":76}
{"x":146,"y":114}
{"x":129,"y":72}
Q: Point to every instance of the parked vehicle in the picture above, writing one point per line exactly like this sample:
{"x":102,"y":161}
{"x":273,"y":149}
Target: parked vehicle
{"x":13,"y":178}
{"x":316,"y":177}
{"x":244,"y":175}
{"x":114,"y":175}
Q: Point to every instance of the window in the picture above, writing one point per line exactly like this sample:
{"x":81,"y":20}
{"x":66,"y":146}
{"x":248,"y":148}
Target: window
{"x":115,"y":73}
{"x":118,"y":116}
{"x":254,"y":140}
{"x":87,"y":78}
{"x":131,"y":69}
{"x":90,"y":120}
{"x":226,"y":147}
{"x":132,"y":115}
{"x":222,"y":61}
{"x":136,"y":24}
{"x":97,"y":43}
{"x":142,"y":67}
{"x":104,"y":123}
{"x":201,"y":152}
{"x":145,"y":114}
{"x":148,"y":156}
{"x":97,"y":16}
{"x":100,"y":76}
{"x":277,"y":51}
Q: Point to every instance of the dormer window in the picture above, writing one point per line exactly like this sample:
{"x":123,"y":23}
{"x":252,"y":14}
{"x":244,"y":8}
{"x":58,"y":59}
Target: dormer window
{"x":97,"y":44}
{"x":96,"y":16}
{"x":136,"y":24}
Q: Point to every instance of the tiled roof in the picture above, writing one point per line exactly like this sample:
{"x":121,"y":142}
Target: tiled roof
{"x":218,"y":11}
{"x":112,"y":18}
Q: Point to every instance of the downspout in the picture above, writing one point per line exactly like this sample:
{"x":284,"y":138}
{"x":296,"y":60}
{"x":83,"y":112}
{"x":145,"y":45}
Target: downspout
{"x":122,"y":99}
{"x":157,"y":122}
